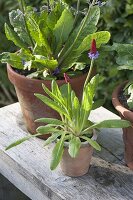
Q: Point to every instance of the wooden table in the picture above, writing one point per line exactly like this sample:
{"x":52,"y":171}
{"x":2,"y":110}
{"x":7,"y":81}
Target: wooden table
{"x":27,"y":165}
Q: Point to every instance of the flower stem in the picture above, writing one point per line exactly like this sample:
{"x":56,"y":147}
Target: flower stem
{"x":89,"y":73}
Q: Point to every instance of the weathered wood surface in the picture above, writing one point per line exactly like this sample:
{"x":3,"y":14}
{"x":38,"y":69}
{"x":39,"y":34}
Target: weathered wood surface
{"x":27,"y":166}
{"x":110,"y":139}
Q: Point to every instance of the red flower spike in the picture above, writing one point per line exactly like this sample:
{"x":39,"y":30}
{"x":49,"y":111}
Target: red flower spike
{"x":93,"y":54}
{"x":93,"y":47}
{"x":66,"y":77}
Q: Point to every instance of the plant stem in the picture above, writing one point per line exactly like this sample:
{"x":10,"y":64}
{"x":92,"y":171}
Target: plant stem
{"x":89,"y":73}
{"x":22,"y":5}
{"x":77,"y":37}
{"x":62,"y":117}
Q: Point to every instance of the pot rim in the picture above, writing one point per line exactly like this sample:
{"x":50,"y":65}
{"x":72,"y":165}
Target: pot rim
{"x":128,"y":114}
{"x":9,"y":68}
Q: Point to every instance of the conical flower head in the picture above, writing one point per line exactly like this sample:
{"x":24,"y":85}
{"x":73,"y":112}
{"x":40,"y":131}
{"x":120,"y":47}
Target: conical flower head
{"x":93,"y":54}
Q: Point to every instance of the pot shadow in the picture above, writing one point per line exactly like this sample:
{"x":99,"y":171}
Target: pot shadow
{"x":115,"y":181}
{"x":111,"y":141}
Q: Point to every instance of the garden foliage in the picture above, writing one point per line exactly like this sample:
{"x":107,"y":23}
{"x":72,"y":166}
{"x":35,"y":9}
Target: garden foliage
{"x":7,"y":93}
{"x":116,"y":17}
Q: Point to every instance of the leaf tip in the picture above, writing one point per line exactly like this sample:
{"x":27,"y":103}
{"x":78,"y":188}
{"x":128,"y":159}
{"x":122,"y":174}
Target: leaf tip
{"x":36,"y":94}
{"x":7,"y":148}
{"x":52,"y":167}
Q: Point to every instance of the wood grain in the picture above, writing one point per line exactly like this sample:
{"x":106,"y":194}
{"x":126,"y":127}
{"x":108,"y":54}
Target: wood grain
{"x":27,"y":165}
{"x":110,"y":139}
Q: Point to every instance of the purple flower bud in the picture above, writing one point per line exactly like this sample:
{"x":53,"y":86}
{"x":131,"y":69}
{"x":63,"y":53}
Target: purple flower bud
{"x":56,"y":71}
{"x":100,"y":3}
{"x":93,"y":55}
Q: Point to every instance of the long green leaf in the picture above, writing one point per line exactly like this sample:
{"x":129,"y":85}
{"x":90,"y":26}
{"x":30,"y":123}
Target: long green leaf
{"x":37,"y":34}
{"x":52,"y":138}
{"x":76,"y":111}
{"x":69,"y":103}
{"x":50,"y":64}
{"x":14,"y":144}
{"x":46,"y":129}
{"x":12,"y":35}
{"x":101,"y":37}
{"x":57,"y":153}
{"x":74,"y":146}
{"x":70,"y":54}
{"x":13,"y":59}
{"x":112,"y":123}
{"x":56,"y":91}
{"x":16,"y":18}
{"x":94,"y":84}
{"x":17,"y":142}
{"x":63,"y":28}
{"x":125,"y":55}
{"x":50,"y":121}
{"x":54,"y":15}
{"x":64,"y":93}
{"x":93,"y":143}
{"x":89,"y":93}
{"x":58,"y":99}
{"x":88,"y":29}
{"x":52,"y":104}
{"x":87,"y":100}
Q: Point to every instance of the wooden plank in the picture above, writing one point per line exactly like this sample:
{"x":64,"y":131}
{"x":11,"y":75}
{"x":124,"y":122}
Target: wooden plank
{"x":27,"y":167}
{"x":110,"y":139}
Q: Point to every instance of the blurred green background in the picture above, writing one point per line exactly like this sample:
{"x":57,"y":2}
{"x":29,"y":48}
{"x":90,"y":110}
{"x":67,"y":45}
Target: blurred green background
{"x":116,"y":17}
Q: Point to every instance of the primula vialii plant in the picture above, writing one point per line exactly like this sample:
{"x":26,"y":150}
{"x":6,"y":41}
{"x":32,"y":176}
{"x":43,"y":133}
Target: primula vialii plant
{"x":53,"y":39}
{"x":73,"y":127}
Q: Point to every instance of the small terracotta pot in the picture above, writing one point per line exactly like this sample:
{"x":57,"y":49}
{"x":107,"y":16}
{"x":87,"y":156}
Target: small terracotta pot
{"x":32,"y":108}
{"x":127,"y":132}
{"x":78,"y":166}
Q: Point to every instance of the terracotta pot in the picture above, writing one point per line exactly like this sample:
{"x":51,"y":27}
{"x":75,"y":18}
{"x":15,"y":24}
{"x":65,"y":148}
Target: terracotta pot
{"x":127,"y":132}
{"x":78,"y":166}
{"x":32,"y":108}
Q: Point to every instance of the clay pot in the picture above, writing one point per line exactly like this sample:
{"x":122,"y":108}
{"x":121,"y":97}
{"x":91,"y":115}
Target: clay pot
{"x":127,"y":132}
{"x":32,"y":108}
{"x":78,"y":166}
